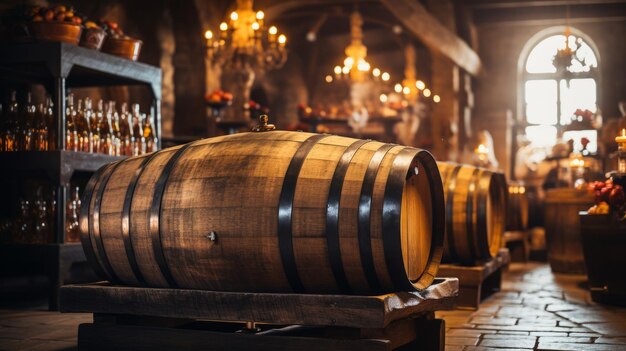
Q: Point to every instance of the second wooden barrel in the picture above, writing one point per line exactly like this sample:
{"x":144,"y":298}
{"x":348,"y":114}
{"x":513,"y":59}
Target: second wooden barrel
{"x":517,"y":207}
{"x":271,"y":211}
{"x":475,"y":212}
{"x":563,"y":237}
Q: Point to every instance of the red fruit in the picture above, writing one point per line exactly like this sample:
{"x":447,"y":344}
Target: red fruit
{"x":604,"y":194}
{"x":616,"y":197}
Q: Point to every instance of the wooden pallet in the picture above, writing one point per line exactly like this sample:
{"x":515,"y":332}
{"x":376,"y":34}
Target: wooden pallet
{"x":477,"y":282}
{"x":127,"y":318}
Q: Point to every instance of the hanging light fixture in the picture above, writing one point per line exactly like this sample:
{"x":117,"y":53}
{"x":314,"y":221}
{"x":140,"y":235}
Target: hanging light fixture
{"x":355,"y":66}
{"x":244,"y":41}
{"x":412,"y":89}
{"x":567,"y":57}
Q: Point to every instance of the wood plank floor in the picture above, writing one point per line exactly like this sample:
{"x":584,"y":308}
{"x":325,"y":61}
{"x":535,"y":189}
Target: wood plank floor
{"x":535,"y":310}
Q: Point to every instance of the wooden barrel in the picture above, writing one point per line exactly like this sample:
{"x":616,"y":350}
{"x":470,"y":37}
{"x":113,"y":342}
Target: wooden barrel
{"x":562,"y":222}
{"x":517,"y":207}
{"x":475,"y":210}
{"x":272,"y":211}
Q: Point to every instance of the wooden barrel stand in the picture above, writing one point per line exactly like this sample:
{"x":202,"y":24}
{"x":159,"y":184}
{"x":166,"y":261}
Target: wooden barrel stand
{"x":563,"y":236}
{"x":477,"y":282}
{"x":137,"y":319}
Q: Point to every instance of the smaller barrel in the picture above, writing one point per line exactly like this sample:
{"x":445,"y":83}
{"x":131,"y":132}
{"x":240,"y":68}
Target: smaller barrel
{"x":475,"y":212}
{"x":517,"y":207}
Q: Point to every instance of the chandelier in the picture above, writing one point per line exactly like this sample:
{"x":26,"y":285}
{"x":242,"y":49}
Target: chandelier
{"x":411,"y":89}
{"x":245,"y":43}
{"x":355,"y":66}
{"x":567,"y":58}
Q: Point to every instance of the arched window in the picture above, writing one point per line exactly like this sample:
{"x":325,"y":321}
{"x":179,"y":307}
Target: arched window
{"x":548,"y":98}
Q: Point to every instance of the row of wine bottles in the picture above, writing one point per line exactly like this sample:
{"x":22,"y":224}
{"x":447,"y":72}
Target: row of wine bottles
{"x":34,"y":220}
{"x":88,"y":128}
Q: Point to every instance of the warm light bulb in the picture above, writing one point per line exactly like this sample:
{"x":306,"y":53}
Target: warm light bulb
{"x":397,"y":88}
{"x":234,"y":16}
{"x":385,"y":76}
{"x":406,"y":90}
{"x":337,"y":70}
{"x":348,"y":62}
{"x":363,"y":66}
{"x":273,"y":30}
{"x":260,"y":15}
{"x":208,"y":34}
{"x":376,"y":72}
{"x":255,"y":26}
{"x":223,"y":26}
{"x":329,"y":79}
{"x":383,"y":98}
{"x":345,"y":70}
{"x":427,"y":92}
{"x":436,"y":98}
{"x":282,"y":39}
{"x":420,"y":85}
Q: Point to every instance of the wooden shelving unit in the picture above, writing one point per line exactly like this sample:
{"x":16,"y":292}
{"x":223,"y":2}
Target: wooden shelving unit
{"x":58,"y":67}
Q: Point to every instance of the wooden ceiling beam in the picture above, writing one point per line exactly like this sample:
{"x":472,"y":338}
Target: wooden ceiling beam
{"x":434,"y":35}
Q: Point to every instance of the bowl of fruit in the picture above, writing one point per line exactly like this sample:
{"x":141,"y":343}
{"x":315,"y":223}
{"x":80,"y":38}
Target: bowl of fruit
{"x":56,"y":23}
{"x":119,"y":44}
{"x":93,"y":36}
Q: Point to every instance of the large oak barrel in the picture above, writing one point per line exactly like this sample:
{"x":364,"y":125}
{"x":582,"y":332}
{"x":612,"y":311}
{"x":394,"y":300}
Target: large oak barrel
{"x":475,"y":212}
{"x":517,"y":207}
{"x":563,"y":237}
{"x":271,"y":211}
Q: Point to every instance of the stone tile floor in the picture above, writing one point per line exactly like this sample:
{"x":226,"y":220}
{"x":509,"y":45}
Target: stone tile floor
{"x":535,"y":310}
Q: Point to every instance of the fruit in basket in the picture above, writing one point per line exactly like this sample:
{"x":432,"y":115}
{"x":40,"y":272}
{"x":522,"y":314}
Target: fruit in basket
{"x":616,"y":197}
{"x":219,"y":97}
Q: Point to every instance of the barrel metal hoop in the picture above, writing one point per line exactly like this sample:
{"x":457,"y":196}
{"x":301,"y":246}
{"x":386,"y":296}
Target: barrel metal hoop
{"x":482,"y":241}
{"x":285,"y":211}
{"x":106,"y":264}
{"x":392,"y":207}
{"x":392,"y":210}
{"x":86,"y":236}
{"x":450,"y":211}
{"x":469,"y":214}
{"x":155,"y":215}
{"x":128,"y":200}
{"x":332,"y":216}
{"x":365,"y":215}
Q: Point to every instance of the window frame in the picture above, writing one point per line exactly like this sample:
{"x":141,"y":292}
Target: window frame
{"x":523,"y":76}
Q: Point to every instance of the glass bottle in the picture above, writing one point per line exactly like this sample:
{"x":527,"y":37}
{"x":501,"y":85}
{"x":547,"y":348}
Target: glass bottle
{"x":92,"y":118}
{"x":71,"y":135}
{"x":149,"y":135}
{"x":105,"y":139}
{"x":49,"y":116}
{"x":23,"y":224}
{"x":114,"y":120}
{"x":127,"y":137}
{"x":140,"y":141}
{"x":40,"y":215}
{"x":11,"y":131}
{"x":40,"y":136}
{"x":71,"y":221}
{"x":85,"y":138}
{"x":2,"y":130}
{"x":27,"y":121}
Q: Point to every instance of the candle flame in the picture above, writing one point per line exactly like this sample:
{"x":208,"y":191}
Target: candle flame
{"x":623,"y":131}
